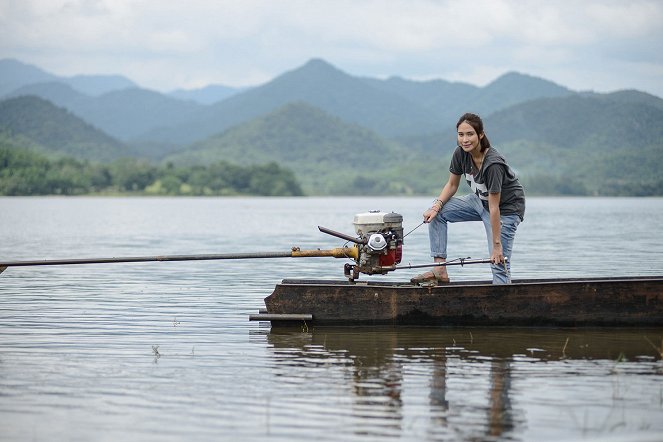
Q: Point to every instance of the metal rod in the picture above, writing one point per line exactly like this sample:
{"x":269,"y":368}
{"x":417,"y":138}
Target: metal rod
{"x":281,"y":317}
{"x":342,"y":235}
{"x":294,"y":253}
{"x":456,"y":262}
{"x":422,"y":223}
{"x":55,"y":262}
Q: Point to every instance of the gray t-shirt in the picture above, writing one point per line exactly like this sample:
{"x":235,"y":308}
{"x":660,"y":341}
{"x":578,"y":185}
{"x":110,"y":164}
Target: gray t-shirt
{"x":495,"y":176}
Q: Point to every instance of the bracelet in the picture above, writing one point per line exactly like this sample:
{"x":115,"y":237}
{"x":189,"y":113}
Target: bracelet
{"x":438,"y":201}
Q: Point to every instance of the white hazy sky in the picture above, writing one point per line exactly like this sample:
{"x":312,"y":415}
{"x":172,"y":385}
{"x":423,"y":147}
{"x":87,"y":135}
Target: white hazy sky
{"x":600,"y":45}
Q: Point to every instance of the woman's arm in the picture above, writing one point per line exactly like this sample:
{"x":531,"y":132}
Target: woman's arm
{"x":497,"y":257}
{"x":448,"y":191}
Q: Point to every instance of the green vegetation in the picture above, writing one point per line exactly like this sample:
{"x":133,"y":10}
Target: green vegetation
{"x":56,"y":130}
{"x":338,"y":134}
{"x":24,"y":172}
{"x":45,"y":150}
{"x":330,"y":156}
{"x":591,"y":153}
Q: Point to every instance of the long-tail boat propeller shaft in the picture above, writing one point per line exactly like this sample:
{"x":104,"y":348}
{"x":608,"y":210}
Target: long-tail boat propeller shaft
{"x":377,"y":249}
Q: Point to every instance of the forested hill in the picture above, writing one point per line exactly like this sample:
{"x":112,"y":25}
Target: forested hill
{"x":585,"y":144}
{"x":584,"y":123}
{"x":39,"y":124}
{"x":328,"y":154}
{"x":578,"y":144}
{"x":596,"y":144}
{"x":124,"y":114}
{"x":45,"y":150}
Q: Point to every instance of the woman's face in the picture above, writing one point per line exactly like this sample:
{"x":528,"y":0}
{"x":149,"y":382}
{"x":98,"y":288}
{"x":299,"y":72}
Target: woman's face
{"x":468,"y":139}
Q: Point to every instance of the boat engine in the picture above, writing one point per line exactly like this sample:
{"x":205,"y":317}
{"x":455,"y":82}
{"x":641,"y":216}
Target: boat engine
{"x":379,"y":243}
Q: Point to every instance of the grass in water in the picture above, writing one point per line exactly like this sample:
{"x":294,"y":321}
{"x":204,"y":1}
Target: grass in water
{"x":659,"y":350}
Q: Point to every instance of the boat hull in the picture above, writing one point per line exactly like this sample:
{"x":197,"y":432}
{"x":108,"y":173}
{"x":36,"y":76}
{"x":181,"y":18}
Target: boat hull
{"x":628,"y":301}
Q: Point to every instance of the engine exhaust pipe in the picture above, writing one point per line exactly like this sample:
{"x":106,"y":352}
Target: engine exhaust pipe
{"x":342,"y":235}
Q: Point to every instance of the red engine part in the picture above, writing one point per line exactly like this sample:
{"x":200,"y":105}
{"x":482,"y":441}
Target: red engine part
{"x":399,"y":253}
{"x":392,"y":257}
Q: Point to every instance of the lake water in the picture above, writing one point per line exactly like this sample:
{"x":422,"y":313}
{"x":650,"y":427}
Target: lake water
{"x":165,"y":351}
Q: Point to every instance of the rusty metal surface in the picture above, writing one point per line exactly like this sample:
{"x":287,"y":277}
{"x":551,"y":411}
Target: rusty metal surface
{"x":571,"y":302}
{"x":340,"y":252}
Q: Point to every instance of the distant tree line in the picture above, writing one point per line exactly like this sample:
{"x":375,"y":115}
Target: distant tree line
{"x":25,"y":172}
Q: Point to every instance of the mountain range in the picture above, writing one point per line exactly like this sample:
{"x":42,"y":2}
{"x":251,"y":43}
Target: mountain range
{"x":39,"y":124}
{"x":344,"y":134}
{"x":15,"y":74}
{"x":392,"y":107}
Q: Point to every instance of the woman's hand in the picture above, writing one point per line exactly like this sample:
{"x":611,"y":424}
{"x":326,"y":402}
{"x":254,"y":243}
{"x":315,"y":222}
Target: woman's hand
{"x":448,"y":191}
{"x":431,"y":213}
{"x":497,"y":256}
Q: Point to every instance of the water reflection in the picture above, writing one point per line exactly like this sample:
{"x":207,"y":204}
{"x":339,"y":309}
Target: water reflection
{"x":467,"y":376}
{"x":500,"y":416}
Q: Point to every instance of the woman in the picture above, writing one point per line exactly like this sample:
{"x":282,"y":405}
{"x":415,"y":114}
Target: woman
{"x":498,"y":200}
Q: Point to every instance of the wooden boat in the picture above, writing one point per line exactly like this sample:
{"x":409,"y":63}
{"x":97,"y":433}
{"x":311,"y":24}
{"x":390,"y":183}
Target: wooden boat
{"x":616,"y":301}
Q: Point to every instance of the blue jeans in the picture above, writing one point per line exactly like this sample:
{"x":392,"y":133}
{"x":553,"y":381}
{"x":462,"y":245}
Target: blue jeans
{"x":470,"y":208}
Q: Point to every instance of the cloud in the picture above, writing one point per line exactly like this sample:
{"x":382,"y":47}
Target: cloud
{"x":165,"y":45}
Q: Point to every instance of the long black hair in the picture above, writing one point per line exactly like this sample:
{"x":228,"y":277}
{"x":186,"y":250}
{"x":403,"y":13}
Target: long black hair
{"x":475,"y":121}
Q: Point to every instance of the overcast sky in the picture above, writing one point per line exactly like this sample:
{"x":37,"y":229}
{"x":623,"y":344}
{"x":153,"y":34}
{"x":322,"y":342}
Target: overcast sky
{"x":600,"y":45}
